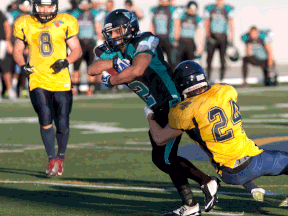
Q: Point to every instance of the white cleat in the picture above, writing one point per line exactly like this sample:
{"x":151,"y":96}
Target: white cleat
{"x":185,"y":210}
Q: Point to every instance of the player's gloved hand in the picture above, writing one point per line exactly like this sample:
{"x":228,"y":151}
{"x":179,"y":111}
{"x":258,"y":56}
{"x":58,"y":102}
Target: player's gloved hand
{"x":106,"y":79}
{"x":120,"y":64}
{"x":147,"y":111}
{"x":26,"y":69}
{"x":59,"y":65}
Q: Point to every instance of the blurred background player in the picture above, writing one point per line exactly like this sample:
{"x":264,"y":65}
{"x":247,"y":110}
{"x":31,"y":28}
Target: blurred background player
{"x":259,"y":52}
{"x":6,"y":56}
{"x":218,"y":24}
{"x":18,"y":80}
{"x":187,"y":26}
{"x":108,"y":7}
{"x":48,"y":34}
{"x":162,"y":26}
{"x":129,"y":5}
{"x":73,"y":6}
{"x":87,"y":30}
{"x":12,"y":6}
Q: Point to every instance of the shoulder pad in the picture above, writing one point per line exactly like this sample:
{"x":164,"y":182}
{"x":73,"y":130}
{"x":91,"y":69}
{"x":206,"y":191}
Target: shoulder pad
{"x":228,"y":7}
{"x":145,"y":41}
{"x":245,"y":37}
{"x":15,"y":13}
{"x":209,"y":7}
{"x":94,"y":12}
{"x":198,"y":18}
{"x":76,"y":13}
{"x":152,"y":10}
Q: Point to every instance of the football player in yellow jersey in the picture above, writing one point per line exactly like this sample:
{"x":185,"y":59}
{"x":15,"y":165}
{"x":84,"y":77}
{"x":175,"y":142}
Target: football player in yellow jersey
{"x":47,"y":35}
{"x":211,"y":117}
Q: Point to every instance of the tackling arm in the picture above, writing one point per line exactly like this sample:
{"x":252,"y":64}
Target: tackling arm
{"x":140,"y":63}
{"x":162,"y":135}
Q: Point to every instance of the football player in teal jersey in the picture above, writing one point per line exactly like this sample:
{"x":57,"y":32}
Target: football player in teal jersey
{"x":139,"y":61}
{"x":219,"y":30}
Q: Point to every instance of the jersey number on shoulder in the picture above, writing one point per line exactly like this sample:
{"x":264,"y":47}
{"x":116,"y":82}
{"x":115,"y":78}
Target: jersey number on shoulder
{"x":143,"y":92}
{"x":218,"y":127}
{"x":45,"y":44}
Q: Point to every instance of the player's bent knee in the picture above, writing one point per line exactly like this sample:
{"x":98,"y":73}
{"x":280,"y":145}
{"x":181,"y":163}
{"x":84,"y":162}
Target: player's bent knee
{"x":47,"y":126}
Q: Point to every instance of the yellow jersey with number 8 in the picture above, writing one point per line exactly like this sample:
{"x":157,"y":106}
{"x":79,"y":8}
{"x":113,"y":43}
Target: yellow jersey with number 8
{"x":213,"y":120}
{"x":47,"y":43}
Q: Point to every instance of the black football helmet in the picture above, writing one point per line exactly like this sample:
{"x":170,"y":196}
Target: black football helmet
{"x":189,"y":76}
{"x":118,"y":19}
{"x":44,"y":17}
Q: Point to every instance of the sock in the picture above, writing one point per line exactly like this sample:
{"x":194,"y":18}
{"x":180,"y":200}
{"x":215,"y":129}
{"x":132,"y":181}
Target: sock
{"x":62,"y":140}
{"x":91,"y":86}
{"x":187,"y":195}
{"x":14,"y":83}
{"x":48,"y":137}
{"x":193,"y":172}
{"x":249,"y":186}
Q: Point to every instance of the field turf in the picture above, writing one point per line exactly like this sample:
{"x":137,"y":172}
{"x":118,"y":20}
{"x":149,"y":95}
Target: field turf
{"x":108,"y":168}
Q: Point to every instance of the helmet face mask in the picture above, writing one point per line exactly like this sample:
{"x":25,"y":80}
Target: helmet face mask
{"x":126,"y":25}
{"x":44,"y":17}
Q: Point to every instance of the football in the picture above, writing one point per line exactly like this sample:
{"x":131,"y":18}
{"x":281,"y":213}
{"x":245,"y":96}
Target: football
{"x":112,"y":72}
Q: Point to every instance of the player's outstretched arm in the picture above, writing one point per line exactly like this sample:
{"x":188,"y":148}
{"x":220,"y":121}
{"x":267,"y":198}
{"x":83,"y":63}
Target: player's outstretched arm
{"x":137,"y":69}
{"x":160,"y":135}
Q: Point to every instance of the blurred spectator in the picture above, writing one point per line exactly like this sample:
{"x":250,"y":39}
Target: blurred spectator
{"x":6,"y":50}
{"x":12,"y":6}
{"x":259,"y":52}
{"x":129,"y":5}
{"x":219,"y":20}
{"x":24,"y":8}
{"x":96,"y":4}
{"x":162,"y":26}
{"x":87,"y":29}
{"x":187,"y":25}
{"x":109,"y":5}
{"x":73,"y":6}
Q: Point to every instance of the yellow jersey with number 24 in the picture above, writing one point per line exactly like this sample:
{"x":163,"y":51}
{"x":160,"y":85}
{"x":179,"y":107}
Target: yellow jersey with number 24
{"x":47,"y":43}
{"x":213,"y":120}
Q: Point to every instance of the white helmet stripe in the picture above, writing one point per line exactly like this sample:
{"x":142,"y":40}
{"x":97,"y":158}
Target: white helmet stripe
{"x":194,"y":87}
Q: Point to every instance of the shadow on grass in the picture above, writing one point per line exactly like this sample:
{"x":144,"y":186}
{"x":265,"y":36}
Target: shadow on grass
{"x":33,"y":173}
{"x":92,"y":201}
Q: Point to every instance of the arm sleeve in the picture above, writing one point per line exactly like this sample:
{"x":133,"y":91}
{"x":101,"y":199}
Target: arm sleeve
{"x":18,"y":30}
{"x":72,"y":27}
{"x":232,"y":92}
{"x":206,"y":14}
{"x":231,"y":14}
{"x":147,"y":45}
{"x":100,"y":16}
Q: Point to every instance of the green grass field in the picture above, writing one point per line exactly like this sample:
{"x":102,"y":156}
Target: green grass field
{"x":108,"y":168}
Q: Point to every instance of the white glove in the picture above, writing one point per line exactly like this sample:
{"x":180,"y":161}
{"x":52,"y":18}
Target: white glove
{"x":147,"y":111}
{"x":120,"y":64}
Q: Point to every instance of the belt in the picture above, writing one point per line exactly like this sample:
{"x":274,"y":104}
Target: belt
{"x":239,"y":168}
